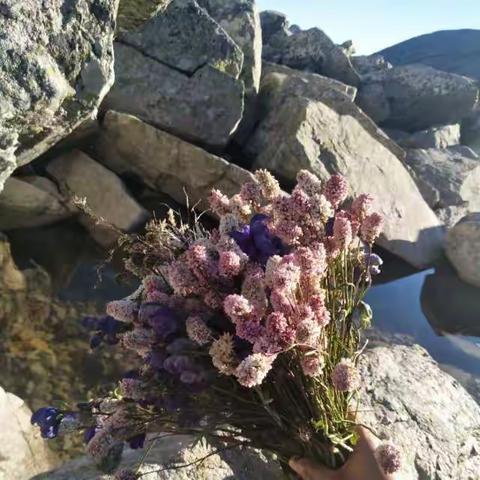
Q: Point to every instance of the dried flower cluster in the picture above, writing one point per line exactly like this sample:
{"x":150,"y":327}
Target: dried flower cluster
{"x":251,"y":325}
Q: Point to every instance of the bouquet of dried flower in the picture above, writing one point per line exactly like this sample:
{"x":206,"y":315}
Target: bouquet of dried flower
{"x":248,"y":334}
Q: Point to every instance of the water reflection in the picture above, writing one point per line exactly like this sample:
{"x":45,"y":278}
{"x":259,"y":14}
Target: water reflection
{"x":436,"y":310}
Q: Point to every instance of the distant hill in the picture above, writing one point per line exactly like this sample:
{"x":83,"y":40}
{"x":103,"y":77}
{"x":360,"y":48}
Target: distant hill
{"x":456,"y":51}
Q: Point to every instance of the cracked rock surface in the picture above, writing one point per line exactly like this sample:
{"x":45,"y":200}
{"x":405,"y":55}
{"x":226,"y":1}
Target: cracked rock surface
{"x":56,"y":60}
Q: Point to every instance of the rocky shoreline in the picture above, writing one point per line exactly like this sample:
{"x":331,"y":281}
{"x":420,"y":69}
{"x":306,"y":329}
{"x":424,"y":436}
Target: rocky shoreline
{"x":187,"y":95}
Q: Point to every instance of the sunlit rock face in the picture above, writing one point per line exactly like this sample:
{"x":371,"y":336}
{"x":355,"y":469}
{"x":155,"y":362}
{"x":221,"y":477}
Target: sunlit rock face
{"x":57,"y":65}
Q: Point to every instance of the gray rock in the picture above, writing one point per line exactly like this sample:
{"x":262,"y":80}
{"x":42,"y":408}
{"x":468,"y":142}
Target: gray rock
{"x":57,"y":65}
{"x":366,"y":64}
{"x":348,"y":47}
{"x":452,"y":214}
{"x":11,"y":278}
{"x":184,"y":37}
{"x":23,"y":453}
{"x":448,"y":177}
{"x":241,"y":464}
{"x":104,"y":193}
{"x":205,"y":107}
{"x":455,"y":51}
{"x":470,"y":130}
{"x":416,"y":97}
{"x":241,"y":20}
{"x":435,"y":137}
{"x":425,"y":412}
{"x":463,"y":248}
{"x":320,"y":129}
{"x":164,"y":162}
{"x":272,"y":23}
{"x":30,"y":202}
{"x":311,"y":50}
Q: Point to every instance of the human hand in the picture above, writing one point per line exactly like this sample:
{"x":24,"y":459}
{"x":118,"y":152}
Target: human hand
{"x":362,"y":464}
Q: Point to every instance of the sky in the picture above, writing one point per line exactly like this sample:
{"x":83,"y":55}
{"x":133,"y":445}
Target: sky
{"x":377,"y":24}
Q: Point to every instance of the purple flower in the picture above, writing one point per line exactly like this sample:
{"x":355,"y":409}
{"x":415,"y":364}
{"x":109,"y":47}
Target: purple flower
{"x":373,"y":262}
{"x":156,"y":358}
{"x":89,"y":433}
{"x":50,"y":420}
{"x":136,"y":442}
{"x":177,"y":364}
{"x":161,"y":318}
{"x":106,"y":329}
{"x":256,"y":241}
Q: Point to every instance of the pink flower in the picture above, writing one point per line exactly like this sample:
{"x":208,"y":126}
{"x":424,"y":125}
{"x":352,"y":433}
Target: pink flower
{"x":123,"y":310}
{"x":309,"y":183}
{"x":99,"y":446}
{"x":223,"y":355}
{"x":342,"y":231}
{"x":253,"y":289}
{"x":251,"y":192}
{"x":270,"y":268}
{"x":320,"y":312}
{"x":140,"y":340}
{"x":289,"y":231}
{"x":153,"y":283}
{"x":332,"y":247}
{"x":237,"y":307}
{"x":201,"y":262}
{"x":197,"y":330}
{"x":278,"y":336}
{"x":132,"y":388}
{"x":282,"y":301}
{"x":213,"y":299}
{"x":345,"y":377}
{"x":156,"y":296}
{"x":181,"y":279}
{"x":240,"y":207}
{"x":336,"y":190}
{"x":389,"y":458}
{"x":219,"y":203}
{"x":268,"y":183}
{"x":321,"y":209}
{"x":229,"y":264}
{"x":287,"y":275}
{"x":371,"y":228}
{"x":253,"y":370}
{"x":312,"y":364}
{"x":249,"y":330}
{"x":308,"y":332}
{"x":362,"y":206}
{"x":300,"y":203}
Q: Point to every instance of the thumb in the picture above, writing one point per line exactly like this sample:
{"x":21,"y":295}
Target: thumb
{"x":309,"y":470}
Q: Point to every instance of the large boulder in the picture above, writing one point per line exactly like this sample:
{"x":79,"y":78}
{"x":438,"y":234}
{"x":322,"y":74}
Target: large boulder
{"x":241,"y":20}
{"x":320,"y":129}
{"x":435,"y":137}
{"x":447,"y":177}
{"x":416,"y":97}
{"x":30,"y":202}
{"x":311,"y":50}
{"x":366,"y":64}
{"x":436,"y":424}
{"x":272,"y":23}
{"x":455,"y":51}
{"x":105,"y":195}
{"x":164,"y":162}
{"x":179,"y":72}
{"x":23,"y":453}
{"x":57,"y":65}
{"x":463,"y":248}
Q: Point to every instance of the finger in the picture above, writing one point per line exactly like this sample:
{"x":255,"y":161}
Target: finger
{"x":309,"y":470}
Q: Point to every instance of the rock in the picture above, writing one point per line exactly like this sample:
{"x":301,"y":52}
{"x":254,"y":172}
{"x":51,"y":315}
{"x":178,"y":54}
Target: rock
{"x":272,"y":23}
{"x":11,"y":278}
{"x":425,"y":412}
{"x":416,"y":97}
{"x":463,"y":248}
{"x":313,"y":51}
{"x":164,"y":162}
{"x":57,"y":65}
{"x":366,"y":64}
{"x":30,"y":202}
{"x":23,"y":453}
{"x":105,"y":195}
{"x":448,"y":177}
{"x":184,"y":37}
{"x":241,"y":464}
{"x":452,"y":214}
{"x":241,"y":20}
{"x":179,"y":72}
{"x":455,"y":51}
{"x":435,"y":137}
{"x":348,"y":47}
{"x":470,"y":130}
{"x":322,"y":130}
